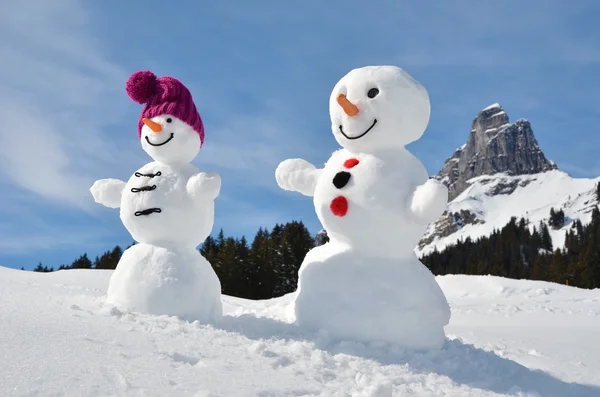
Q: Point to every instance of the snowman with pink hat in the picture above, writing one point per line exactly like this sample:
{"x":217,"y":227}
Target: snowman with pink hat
{"x":168,"y":207}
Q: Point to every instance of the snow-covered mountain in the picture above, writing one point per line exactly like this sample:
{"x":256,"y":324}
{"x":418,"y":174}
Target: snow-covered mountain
{"x":494,"y":146}
{"x":506,"y":338}
{"x":491,"y":200}
{"x":499,"y":173}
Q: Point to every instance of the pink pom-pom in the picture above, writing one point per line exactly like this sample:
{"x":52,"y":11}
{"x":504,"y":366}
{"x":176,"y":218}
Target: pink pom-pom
{"x":141,"y":86}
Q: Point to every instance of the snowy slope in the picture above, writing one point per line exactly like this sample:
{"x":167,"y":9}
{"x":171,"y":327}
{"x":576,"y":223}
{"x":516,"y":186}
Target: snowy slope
{"x":58,"y":338}
{"x":492,"y":201}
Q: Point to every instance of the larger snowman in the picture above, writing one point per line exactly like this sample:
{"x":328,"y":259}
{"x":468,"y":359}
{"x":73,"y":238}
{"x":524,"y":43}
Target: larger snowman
{"x":168,"y":207}
{"x":375,"y":200}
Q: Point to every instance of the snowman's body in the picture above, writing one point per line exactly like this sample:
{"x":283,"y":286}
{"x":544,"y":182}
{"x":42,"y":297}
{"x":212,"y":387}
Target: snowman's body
{"x":160,"y":280}
{"x":156,"y":206}
{"x":378,"y":195}
{"x":355,"y":296}
{"x":165,"y":274}
{"x":168,"y":207}
{"x":375,"y":201}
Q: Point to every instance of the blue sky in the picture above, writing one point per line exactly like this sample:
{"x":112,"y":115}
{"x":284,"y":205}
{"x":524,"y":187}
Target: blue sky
{"x":261,"y":73}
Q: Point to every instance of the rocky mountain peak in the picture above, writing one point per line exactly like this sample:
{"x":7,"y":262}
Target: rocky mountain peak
{"x":488,"y":122}
{"x":494,"y":146}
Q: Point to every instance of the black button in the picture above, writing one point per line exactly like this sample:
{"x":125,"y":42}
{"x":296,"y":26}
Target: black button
{"x":341,"y":179}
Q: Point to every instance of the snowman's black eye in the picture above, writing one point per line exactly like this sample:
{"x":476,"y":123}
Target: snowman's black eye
{"x":169,"y":120}
{"x":372,"y":93}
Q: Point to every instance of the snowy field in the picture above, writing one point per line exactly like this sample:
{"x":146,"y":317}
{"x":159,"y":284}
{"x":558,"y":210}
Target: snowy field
{"x":507,"y":337}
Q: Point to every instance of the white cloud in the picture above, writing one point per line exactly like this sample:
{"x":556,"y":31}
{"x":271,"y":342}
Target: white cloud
{"x":56,"y":87}
{"x":26,"y":227}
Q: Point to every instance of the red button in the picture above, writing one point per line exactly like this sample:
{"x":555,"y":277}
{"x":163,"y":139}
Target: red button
{"x":339,"y":206}
{"x":350,"y":163}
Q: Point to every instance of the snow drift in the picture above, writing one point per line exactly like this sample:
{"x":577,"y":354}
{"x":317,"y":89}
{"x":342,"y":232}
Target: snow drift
{"x":506,"y":338}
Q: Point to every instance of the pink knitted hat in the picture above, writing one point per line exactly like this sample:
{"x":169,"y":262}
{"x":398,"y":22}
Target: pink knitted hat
{"x":165,"y":95}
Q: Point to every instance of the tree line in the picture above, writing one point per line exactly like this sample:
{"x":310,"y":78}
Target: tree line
{"x":516,"y":252}
{"x":268,"y":266}
{"x":107,"y":260}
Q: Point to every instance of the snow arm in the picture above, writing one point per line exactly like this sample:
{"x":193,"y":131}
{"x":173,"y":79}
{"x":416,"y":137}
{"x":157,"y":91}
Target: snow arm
{"x":428,"y":201}
{"x":204,"y":185}
{"x":108,"y":192}
{"x":297,"y":175}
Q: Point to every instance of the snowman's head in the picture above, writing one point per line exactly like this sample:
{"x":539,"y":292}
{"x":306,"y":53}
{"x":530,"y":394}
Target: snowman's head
{"x":378,"y":107}
{"x":169,"y":140}
{"x":170,"y":127}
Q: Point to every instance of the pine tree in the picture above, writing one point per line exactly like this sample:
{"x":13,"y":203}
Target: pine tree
{"x":115,"y":257}
{"x":595,"y":215}
{"x":278,"y":257}
{"x":295,"y":243}
{"x":215,"y":257}
{"x":102,"y":262}
{"x":546,"y":238}
{"x":591,"y":254}
{"x":43,"y":269}
{"x":560,"y":218}
{"x":537,"y":271}
{"x":230,"y":276}
{"x":261,"y":274}
{"x":209,"y":250}
{"x":557,"y":219}
{"x":556,"y":268}
{"x":536,"y":240}
{"x":579,"y":230}
{"x":571,"y":243}
{"x":243,"y":262}
{"x":83,"y":262}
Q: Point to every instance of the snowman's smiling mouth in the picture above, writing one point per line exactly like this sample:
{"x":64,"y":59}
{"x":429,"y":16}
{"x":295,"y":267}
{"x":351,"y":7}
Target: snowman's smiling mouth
{"x":361,"y":135}
{"x":162,"y":143}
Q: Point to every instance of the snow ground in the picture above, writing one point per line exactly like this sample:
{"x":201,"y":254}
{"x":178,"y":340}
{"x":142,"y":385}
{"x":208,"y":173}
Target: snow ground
{"x":508,"y":337}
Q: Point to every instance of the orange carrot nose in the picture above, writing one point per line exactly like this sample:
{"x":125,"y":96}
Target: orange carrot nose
{"x":349,"y":108}
{"x":152,"y":125}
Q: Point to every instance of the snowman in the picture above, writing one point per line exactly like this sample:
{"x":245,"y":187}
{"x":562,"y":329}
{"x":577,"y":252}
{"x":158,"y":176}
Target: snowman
{"x":375,"y":200}
{"x":168,"y":207}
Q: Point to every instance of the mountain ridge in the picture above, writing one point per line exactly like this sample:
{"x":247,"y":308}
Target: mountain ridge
{"x":494,"y":146}
{"x":491,"y":200}
{"x":501,"y":172}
